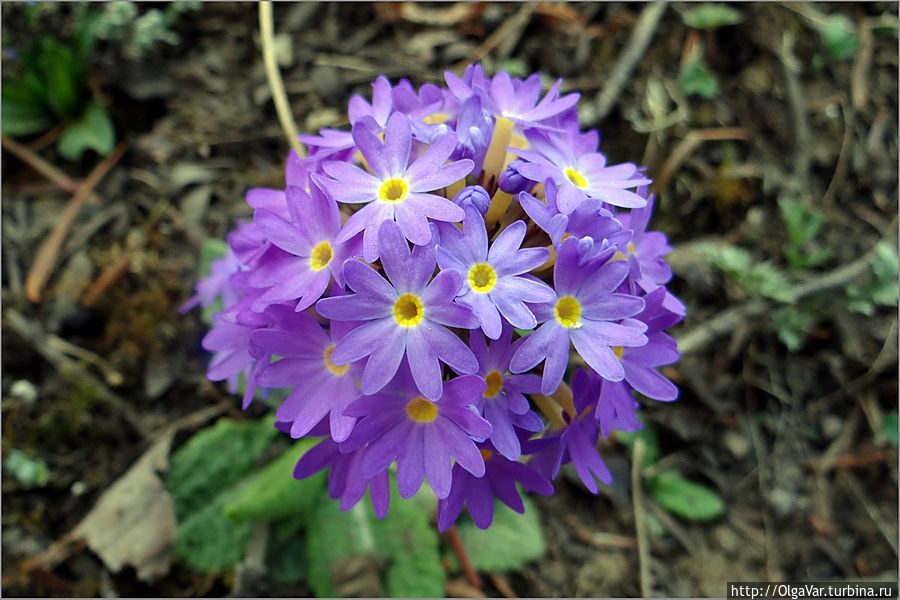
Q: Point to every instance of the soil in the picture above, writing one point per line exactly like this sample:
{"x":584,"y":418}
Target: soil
{"x":791,"y":440}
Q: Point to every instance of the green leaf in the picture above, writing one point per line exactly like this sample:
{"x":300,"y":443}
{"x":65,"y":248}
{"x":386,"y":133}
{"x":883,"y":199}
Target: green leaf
{"x":214,"y":459}
{"x":30,"y":472}
{"x":882,"y":287}
{"x":889,"y":428}
{"x":208,"y":541}
{"x":511,"y":541}
{"x":92,"y":131}
{"x":274,"y":493}
{"x":711,"y":16}
{"x":205,"y":474}
{"x":405,"y":544}
{"x":839,"y":35}
{"x":286,"y":553}
{"x":62,"y":73}
{"x":792,"y":325}
{"x":755,"y":278}
{"x":802,"y":222}
{"x":696,"y":79}
{"x":24,"y":111}
{"x":412,"y":551}
{"x":685,"y":498}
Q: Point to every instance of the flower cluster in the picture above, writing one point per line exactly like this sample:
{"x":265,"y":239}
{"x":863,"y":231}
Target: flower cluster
{"x":460,"y":288}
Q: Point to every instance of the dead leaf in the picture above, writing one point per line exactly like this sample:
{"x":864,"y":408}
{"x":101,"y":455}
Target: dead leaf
{"x":133,"y":523}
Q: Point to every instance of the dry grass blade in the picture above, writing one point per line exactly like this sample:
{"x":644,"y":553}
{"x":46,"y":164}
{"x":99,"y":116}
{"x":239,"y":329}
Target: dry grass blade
{"x":45,"y":260}
{"x":52,"y":173}
{"x":690,"y":142}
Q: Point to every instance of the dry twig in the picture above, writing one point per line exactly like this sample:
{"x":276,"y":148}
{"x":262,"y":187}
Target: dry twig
{"x":640,"y":525}
{"x":273,"y":76}
{"x":45,"y":260}
{"x":690,"y":142}
{"x":628,"y":59}
{"x":52,"y":173}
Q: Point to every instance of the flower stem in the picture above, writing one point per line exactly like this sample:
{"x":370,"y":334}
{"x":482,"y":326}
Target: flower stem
{"x":463,"y":558}
{"x":276,"y":85}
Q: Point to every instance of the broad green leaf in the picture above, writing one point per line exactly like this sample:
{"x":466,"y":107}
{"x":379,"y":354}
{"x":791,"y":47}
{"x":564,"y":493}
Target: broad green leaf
{"x":839,"y":35}
{"x":711,"y":16}
{"x":208,"y":471}
{"x":755,"y":278}
{"x":30,"y":472}
{"x":889,"y":428}
{"x":214,"y":459}
{"x":207,"y":541}
{"x":286,"y":552}
{"x":24,"y":112}
{"x":92,"y":131}
{"x":411,"y":550}
{"x":274,"y":493}
{"x":335,"y":539}
{"x":511,"y":541}
{"x":403,"y":547}
{"x":685,"y":498}
{"x":696,"y":79}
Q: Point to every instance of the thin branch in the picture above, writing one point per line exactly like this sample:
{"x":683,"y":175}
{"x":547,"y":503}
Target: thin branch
{"x":628,"y":59}
{"x":52,"y":173}
{"x":45,"y":259}
{"x":460,"y":551}
{"x":273,"y":76}
{"x":640,"y":525}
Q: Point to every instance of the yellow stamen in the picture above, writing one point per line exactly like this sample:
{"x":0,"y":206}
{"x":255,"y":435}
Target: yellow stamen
{"x":568,"y":312}
{"x":486,"y":454}
{"x":421,"y":410}
{"x":436,"y":118}
{"x":408,"y":310}
{"x":336,"y":370}
{"x":496,"y":152}
{"x":577,"y":179}
{"x":393,"y":190}
{"x":617,"y":350}
{"x":482,"y":278}
{"x":619,"y":255}
{"x":321,"y":255}
{"x":494,"y":384}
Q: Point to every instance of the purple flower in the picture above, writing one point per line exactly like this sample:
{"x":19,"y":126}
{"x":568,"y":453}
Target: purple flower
{"x":478,"y":493}
{"x":320,"y":387}
{"x":474,"y":195}
{"x":584,"y":312}
{"x":511,"y":181}
{"x":407,"y":316}
{"x":505,"y":406}
{"x":397,"y":190}
{"x":345,"y":481}
{"x":580,"y":177}
{"x":588,"y":220}
{"x":215,"y":285}
{"x":421,"y":435}
{"x":579,"y":440}
{"x":492,"y":278}
{"x":381,"y":107}
{"x":312,"y":255}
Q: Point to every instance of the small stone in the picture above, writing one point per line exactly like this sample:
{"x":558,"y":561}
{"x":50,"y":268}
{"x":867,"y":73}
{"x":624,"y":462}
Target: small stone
{"x":78,"y":488}
{"x":736,"y":443}
{"x":23,"y":391}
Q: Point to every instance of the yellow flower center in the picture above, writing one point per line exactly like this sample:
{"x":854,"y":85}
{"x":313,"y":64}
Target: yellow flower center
{"x":618,"y":351}
{"x":393,"y":190}
{"x":421,"y":410}
{"x":577,"y":179}
{"x":436,"y":118}
{"x":486,"y":454}
{"x":568,"y":312}
{"x":482,"y":278}
{"x":494,"y":384}
{"x":321,"y":256}
{"x":336,"y":370}
{"x":408,"y":310}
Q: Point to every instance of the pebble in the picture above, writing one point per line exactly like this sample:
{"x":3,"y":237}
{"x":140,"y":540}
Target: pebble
{"x":23,"y":391}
